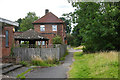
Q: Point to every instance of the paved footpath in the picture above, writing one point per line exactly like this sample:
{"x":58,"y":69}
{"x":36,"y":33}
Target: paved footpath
{"x":59,"y":71}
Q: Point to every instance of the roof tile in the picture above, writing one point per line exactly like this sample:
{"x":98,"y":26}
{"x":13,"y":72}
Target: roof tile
{"x":49,"y":18}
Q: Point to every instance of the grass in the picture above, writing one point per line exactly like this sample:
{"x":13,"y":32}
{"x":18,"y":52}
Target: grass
{"x":38,"y":61}
{"x":22,"y":75}
{"x":63,"y":58}
{"x":98,"y":65}
{"x":24,"y":63}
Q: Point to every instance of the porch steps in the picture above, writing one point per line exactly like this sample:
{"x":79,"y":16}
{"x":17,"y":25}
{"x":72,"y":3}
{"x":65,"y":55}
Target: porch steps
{"x":6,"y":65}
{"x":8,"y":68}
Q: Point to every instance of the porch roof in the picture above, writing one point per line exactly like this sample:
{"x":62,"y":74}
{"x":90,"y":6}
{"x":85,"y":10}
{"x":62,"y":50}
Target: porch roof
{"x":29,"y":35}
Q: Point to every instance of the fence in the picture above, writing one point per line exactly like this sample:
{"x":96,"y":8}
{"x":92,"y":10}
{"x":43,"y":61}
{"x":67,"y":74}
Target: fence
{"x":26,"y":54}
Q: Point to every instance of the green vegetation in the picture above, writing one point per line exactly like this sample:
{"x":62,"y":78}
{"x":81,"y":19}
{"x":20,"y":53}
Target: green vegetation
{"x":67,"y":23}
{"x":57,"y":40}
{"x":63,"y":58}
{"x":22,"y":75}
{"x":98,"y":65}
{"x":42,"y":63}
{"x":26,"y":23}
{"x":24,"y":63}
{"x":97,"y":26}
{"x":49,"y":61}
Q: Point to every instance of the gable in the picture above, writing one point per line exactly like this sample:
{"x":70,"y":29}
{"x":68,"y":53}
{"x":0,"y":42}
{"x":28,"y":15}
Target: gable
{"x":49,"y":18}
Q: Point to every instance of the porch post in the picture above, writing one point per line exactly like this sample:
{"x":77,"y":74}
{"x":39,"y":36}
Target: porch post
{"x":41,"y":43}
{"x":47,"y":43}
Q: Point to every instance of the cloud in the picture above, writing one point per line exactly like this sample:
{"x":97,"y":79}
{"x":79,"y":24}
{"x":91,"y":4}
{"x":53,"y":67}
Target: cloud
{"x":14,"y":9}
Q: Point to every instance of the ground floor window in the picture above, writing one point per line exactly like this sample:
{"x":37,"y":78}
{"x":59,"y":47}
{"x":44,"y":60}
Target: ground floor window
{"x":7,"y":38}
{"x":39,"y":42}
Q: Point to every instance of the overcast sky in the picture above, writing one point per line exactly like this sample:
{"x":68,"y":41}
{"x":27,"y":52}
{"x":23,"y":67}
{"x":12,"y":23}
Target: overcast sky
{"x":15,"y":9}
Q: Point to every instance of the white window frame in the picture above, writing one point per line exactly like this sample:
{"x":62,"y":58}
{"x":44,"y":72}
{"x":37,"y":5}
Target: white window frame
{"x":54,"y":27}
{"x":42,"y":27}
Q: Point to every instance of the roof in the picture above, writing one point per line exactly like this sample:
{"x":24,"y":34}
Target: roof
{"x":49,"y":18}
{"x":8,"y":22}
{"x":17,"y":33}
{"x":29,"y":35}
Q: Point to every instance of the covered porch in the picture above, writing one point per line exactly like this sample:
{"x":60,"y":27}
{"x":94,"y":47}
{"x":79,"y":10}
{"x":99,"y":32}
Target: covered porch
{"x":30,"y":39}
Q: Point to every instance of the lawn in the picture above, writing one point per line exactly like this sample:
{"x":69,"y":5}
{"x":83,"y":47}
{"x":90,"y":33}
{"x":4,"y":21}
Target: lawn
{"x":98,"y":65}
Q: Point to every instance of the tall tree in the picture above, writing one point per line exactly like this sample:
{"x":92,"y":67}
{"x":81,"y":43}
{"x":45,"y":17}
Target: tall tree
{"x":19,"y":21}
{"x":27,"y":21}
{"x":98,"y":25}
{"x":67,"y":21}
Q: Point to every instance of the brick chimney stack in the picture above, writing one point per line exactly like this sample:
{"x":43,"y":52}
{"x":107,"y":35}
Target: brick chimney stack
{"x":46,"y":11}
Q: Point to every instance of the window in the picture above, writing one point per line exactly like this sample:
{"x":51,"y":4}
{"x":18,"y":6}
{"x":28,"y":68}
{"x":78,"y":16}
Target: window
{"x":43,"y":42}
{"x":42,"y":27}
{"x":7,"y":39}
{"x":39,"y":43}
{"x":54,"y":27}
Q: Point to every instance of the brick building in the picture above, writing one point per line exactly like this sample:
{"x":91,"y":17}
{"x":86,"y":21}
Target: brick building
{"x":49,"y":26}
{"x":6,"y":36}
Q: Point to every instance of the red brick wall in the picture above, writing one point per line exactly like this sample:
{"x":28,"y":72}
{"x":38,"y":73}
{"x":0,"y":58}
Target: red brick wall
{"x":48,"y":29}
{"x":6,"y":50}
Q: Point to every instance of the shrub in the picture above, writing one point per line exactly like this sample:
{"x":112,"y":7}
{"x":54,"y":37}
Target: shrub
{"x":57,"y":40}
{"x":24,"y":63}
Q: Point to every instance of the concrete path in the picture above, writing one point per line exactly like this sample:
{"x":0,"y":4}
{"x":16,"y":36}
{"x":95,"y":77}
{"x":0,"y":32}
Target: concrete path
{"x":59,"y":71}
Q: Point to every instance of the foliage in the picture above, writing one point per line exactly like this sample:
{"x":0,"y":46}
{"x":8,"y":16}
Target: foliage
{"x":26,"y":23}
{"x":57,"y":40}
{"x":19,"y":21}
{"x":24,"y":63}
{"x":96,"y":26}
{"x":67,"y":23}
{"x":70,"y":40}
{"x":11,"y":51}
{"x":98,"y":65}
{"x":63,"y":58}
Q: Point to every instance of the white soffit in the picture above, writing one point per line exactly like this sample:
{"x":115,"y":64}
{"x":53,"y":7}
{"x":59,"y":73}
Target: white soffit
{"x":9,"y":22}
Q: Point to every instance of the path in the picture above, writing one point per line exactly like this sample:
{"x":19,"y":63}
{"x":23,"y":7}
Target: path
{"x":59,"y":71}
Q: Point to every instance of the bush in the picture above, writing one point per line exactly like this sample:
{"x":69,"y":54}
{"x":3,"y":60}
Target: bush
{"x":24,"y":63}
{"x":57,"y":40}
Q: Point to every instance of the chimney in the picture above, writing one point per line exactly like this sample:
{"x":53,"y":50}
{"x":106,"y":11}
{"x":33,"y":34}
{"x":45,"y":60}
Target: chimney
{"x":46,"y":11}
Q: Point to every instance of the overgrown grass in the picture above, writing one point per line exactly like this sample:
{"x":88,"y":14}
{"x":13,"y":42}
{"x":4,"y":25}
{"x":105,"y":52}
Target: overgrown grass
{"x":38,"y":61}
{"x":99,"y":65}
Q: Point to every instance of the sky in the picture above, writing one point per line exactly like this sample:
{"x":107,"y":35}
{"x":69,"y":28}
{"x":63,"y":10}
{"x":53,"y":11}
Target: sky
{"x":15,"y":9}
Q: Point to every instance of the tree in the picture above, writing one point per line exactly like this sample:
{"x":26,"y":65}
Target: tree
{"x":98,"y":25}
{"x":19,"y":21}
{"x":27,"y":21}
{"x":70,"y":40}
{"x":67,"y":23}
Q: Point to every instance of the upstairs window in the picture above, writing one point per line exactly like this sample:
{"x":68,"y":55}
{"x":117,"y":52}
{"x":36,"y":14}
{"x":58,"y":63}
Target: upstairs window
{"x":7,"y":39}
{"x":54,"y":27}
{"x":42,"y":27}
